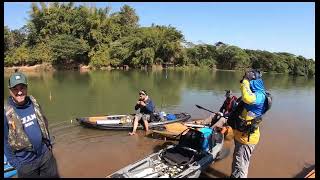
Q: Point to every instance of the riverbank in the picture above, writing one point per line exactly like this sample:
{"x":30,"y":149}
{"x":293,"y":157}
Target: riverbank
{"x":35,"y":68}
{"x":80,"y":67}
{"x":85,"y":68}
{"x":47,"y":67}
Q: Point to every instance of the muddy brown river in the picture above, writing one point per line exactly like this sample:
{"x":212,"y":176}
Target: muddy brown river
{"x":287,"y":142}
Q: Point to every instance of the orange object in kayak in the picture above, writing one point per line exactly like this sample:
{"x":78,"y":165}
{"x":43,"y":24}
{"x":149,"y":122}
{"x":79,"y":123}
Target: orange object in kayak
{"x":175,"y":127}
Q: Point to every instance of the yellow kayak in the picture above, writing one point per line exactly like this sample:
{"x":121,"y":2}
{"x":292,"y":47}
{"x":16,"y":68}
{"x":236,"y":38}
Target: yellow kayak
{"x":173,"y":130}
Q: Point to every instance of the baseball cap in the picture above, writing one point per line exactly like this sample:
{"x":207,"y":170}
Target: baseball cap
{"x":144,"y":92}
{"x":17,"y":78}
{"x":228,"y":92}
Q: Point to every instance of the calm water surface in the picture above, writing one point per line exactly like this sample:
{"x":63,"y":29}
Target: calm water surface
{"x":287,"y":142}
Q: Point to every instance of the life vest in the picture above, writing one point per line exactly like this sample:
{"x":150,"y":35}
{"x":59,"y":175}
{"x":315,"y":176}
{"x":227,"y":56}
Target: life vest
{"x":229,"y":103}
{"x":17,"y":138}
{"x":254,"y":110}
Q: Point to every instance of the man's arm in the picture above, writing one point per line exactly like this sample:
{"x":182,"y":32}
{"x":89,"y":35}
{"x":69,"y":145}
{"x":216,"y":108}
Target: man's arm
{"x":44,"y":118}
{"x":222,"y":107}
{"x":248,"y":96}
{"x":7,"y":149}
{"x":150,"y":106}
{"x":45,"y":121}
{"x":137,"y":106}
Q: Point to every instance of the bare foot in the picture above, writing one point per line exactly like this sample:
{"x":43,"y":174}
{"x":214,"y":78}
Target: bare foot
{"x":131,"y":133}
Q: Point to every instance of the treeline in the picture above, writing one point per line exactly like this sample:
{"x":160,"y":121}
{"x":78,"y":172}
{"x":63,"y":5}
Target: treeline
{"x":63,"y":34}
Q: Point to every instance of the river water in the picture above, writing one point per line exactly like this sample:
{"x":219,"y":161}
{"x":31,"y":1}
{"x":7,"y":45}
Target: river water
{"x":287,"y":142}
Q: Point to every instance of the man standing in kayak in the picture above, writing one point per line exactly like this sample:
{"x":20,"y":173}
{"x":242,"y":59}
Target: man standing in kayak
{"x":245,"y":120}
{"x":27,"y":144}
{"x":146,"y":108}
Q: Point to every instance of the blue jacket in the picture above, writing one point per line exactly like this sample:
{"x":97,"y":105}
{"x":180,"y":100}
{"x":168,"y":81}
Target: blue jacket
{"x":32,"y":129}
{"x":257,"y":87}
{"x":148,"y":109}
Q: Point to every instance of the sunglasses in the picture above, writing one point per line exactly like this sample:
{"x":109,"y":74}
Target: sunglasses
{"x":142,"y":94}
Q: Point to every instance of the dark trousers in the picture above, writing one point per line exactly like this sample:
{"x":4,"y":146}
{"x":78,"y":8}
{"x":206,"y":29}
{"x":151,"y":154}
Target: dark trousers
{"x":46,"y":166}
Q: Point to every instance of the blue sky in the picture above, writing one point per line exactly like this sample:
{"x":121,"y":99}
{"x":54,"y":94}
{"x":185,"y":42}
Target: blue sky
{"x":275,"y":27}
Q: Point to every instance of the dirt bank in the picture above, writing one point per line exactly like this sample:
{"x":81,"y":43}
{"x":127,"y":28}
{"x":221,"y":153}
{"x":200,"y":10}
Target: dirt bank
{"x":49,"y":67}
{"x":35,"y":68}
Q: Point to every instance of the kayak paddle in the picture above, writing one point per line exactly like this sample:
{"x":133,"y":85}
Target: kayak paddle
{"x":200,"y":107}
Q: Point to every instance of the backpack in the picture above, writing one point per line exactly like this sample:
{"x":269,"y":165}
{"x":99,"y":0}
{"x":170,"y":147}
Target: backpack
{"x":233,"y":117}
{"x":267,"y":102}
{"x":207,"y":143}
{"x":197,"y":140}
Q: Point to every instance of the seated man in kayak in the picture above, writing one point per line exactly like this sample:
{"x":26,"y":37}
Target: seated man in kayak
{"x":229,"y":104}
{"x":146,"y":108}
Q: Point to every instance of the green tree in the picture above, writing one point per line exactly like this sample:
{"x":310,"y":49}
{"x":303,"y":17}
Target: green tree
{"x":232,"y":57}
{"x":8,"y":40}
{"x":100,"y":58}
{"x":62,"y":33}
{"x":145,"y":56}
{"x":18,"y":57}
{"x":40,"y":53}
{"x":67,"y":48}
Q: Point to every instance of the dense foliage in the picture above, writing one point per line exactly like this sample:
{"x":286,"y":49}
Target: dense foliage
{"x":61,"y":33}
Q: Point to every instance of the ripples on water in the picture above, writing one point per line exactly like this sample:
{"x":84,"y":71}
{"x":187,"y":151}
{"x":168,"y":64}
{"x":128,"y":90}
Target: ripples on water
{"x":286,"y":147}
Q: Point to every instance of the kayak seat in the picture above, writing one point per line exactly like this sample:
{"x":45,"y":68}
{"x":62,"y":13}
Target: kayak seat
{"x":181,"y":156}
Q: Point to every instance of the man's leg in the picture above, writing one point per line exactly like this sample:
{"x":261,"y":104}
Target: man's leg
{"x":241,"y":159}
{"x":48,"y":166}
{"x":146,"y":125}
{"x":146,"y":118}
{"x":30,"y":170}
{"x":136,"y":119}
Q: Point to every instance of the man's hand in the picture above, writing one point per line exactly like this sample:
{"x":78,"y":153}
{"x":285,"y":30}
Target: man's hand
{"x":142,"y":103}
